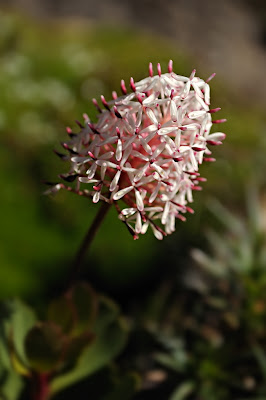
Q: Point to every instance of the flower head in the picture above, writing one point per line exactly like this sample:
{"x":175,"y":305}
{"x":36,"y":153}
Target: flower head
{"x":145,"y":150}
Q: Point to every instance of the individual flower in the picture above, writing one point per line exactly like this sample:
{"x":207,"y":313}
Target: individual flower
{"x":145,"y":150}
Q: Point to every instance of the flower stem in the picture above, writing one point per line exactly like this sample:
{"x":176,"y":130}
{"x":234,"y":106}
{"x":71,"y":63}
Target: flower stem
{"x":88,"y":240}
{"x":41,"y":390}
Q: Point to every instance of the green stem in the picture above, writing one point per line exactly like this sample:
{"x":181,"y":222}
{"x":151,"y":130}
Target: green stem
{"x":75,"y":271}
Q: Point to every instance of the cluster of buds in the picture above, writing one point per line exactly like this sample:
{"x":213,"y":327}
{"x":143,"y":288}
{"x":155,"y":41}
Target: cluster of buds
{"x":145,"y":150}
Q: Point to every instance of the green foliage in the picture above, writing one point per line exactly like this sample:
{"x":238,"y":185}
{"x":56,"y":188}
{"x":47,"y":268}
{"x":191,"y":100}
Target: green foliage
{"x":111,"y":334}
{"x":44,"y":345}
{"x":65,"y":350}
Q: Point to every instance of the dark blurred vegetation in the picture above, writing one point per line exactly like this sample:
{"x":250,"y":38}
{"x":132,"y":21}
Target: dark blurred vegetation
{"x":197,"y":332}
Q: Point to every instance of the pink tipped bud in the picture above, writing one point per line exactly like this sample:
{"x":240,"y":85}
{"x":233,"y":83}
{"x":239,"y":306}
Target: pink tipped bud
{"x":114,"y":94}
{"x":159,"y":69}
{"x":79,"y":124}
{"x":86,"y":117}
{"x":95,"y":102}
{"x":219,"y":121}
{"x":132,"y":84}
{"x":213,"y":142}
{"x":69,"y":130}
{"x":214,"y":110}
{"x":117,"y":113}
{"x":91,"y":126}
{"x":197,"y":148}
{"x":150,"y":70}
{"x":140,"y":98}
{"x":92,"y":155}
{"x":201,"y":179}
{"x":118,"y":131}
{"x":192,"y":74}
{"x":209,"y":159}
{"x":170,"y":66}
{"x":197,"y":188}
{"x":105,"y":104}
{"x":123,"y":87}
{"x":211,"y":77}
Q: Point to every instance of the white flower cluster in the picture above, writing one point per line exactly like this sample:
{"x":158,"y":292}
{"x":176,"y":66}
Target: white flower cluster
{"x":146,"y":148}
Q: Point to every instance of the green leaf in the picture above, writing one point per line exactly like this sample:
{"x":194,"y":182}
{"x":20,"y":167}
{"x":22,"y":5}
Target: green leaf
{"x":183,"y":391}
{"x":61,"y":311}
{"x":84,"y":302}
{"x":44,"y":346}
{"x":111,"y":336}
{"x":10,"y":382}
{"x":22,"y":320}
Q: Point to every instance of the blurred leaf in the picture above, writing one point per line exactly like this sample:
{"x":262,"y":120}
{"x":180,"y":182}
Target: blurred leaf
{"x":44,"y":346}
{"x":84,"y":301}
{"x":183,"y":391}
{"x":111,"y":336}
{"x":75,"y":347}
{"x":22,"y":320}
{"x":125,"y":389}
{"x":261,"y":359}
{"x":61,"y":312}
{"x":11,"y":383}
{"x":108,"y":311}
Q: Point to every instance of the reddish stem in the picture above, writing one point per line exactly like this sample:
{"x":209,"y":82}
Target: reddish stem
{"x":41,"y":390}
{"x":87,"y":240}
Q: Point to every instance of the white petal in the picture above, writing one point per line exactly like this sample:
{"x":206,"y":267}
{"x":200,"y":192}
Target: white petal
{"x":108,"y":140}
{"x":139,"y":155}
{"x":80,"y":160}
{"x":139,"y":118}
{"x":107,"y":163}
{"x":173,"y":111}
{"x":151,"y":116}
{"x":157,"y":233}
{"x":106,"y":156}
{"x":103,"y":170}
{"x":128,"y":211}
{"x":165,"y":131}
{"x":197,"y":89}
{"x":207,"y":94}
{"x":149,"y":99}
{"x":186,"y":90}
{"x":217,"y":136}
{"x":165,"y":212}
{"x":155,"y":193}
{"x":145,"y":146}
{"x":140,"y":172}
{"x":121,"y":193}
{"x":196,"y":114}
{"x":118,"y":153}
{"x":149,"y":129}
{"x":138,"y":225}
{"x":96,"y":197}
{"x":115,"y":181}
{"x":144,"y":228}
{"x":91,"y":171}
{"x":158,"y":151}
{"x":179,"y":78}
{"x":139,"y":200}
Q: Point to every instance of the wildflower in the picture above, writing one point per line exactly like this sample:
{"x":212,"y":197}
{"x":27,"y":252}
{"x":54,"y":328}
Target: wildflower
{"x":145,"y":150}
